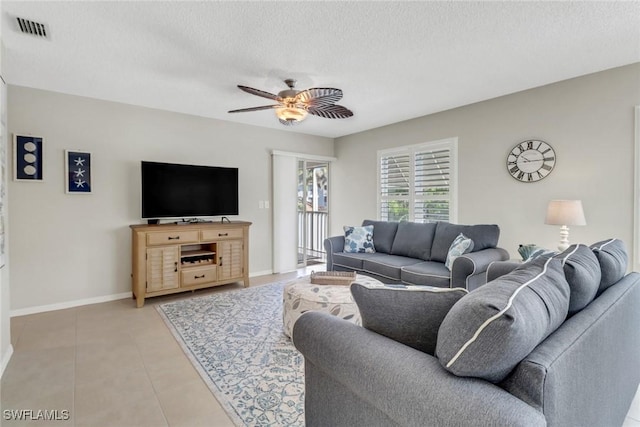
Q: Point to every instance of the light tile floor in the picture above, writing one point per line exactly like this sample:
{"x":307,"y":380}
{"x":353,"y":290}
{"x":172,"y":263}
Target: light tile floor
{"x":112,"y":364}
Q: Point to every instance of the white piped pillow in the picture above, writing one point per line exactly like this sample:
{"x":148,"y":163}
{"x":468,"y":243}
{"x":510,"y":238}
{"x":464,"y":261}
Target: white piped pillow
{"x":490,"y":330}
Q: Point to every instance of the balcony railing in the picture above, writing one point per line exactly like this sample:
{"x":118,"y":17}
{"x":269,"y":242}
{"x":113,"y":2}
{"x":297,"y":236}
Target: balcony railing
{"x":314,"y":225}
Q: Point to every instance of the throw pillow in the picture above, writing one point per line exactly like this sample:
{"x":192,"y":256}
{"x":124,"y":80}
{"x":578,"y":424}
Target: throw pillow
{"x":582,"y":271}
{"x":384,"y":235}
{"x":358,"y":239}
{"x":613,"y":259}
{"x":490,"y":330}
{"x":410,"y":315}
{"x":483,"y":235}
{"x":540,"y":252}
{"x":414,"y":240}
{"x":461,"y":245}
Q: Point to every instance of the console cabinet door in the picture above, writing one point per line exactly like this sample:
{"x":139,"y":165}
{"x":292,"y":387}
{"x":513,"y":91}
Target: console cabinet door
{"x":230,"y":259}
{"x":162,"y":268}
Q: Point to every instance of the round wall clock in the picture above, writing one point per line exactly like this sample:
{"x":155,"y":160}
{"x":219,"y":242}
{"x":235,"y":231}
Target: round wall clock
{"x":531,"y":160}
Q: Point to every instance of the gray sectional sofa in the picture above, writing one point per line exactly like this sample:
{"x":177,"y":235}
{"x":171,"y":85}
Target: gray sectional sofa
{"x":415,"y":254}
{"x":561,"y":347}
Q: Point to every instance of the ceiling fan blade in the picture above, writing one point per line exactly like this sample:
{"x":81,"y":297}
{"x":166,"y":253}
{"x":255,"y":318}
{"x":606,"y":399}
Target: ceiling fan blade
{"x":264,"y":107}
{"x":330,"y":111}
{"x":319,"y":96}
{"x":259,"y":92}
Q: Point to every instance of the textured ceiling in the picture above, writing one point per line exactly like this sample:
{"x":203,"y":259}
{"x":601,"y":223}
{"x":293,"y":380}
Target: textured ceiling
{"x":393,"y":60}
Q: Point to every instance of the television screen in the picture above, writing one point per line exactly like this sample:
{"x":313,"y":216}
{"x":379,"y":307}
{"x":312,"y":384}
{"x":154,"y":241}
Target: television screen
{"x":179,"y":191}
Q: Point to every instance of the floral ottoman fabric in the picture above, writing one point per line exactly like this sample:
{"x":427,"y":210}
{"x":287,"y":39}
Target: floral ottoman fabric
{"x":301,"y":296}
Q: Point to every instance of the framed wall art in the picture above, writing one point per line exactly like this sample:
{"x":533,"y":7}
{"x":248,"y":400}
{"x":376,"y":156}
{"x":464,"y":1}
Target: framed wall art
{"x":77,"y":172}
{"x":28,"y":161}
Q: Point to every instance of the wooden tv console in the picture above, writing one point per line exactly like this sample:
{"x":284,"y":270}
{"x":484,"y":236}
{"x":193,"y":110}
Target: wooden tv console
{"x":171,"y":258}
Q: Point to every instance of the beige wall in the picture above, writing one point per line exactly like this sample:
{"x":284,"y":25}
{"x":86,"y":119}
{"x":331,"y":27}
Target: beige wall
{"x":76,"y":248}
{"x":588,"y":121}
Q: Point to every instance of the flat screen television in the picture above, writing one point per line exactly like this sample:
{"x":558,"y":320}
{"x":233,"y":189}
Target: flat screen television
{"x":186,"y":191}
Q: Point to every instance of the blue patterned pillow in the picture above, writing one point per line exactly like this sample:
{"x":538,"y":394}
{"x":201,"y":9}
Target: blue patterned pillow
{"x":460,"y":246}
{"x":359,"y":239}
{"x":540,"y":252}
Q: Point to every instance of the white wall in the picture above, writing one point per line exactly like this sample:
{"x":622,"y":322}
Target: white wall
{"x":68,"y":248}
{"x":588,"y":121}
{"x":5,"y":322}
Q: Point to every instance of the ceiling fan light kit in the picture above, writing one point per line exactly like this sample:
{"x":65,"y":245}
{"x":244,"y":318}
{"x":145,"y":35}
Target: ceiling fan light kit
{"x":290,"y":115}
{"x":294,"y":106}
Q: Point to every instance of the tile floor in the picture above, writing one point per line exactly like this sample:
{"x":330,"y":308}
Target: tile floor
{"x":111,"y":364}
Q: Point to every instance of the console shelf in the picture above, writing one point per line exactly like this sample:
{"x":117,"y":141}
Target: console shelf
{"x":170,"y":258}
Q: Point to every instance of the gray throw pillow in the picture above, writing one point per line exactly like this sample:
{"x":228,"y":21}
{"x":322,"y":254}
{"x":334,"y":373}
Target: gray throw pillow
{"x":613,"y":259}
{"x":414,"y":240}
{"x":410,"y":315}
{"x":490,"y":330}
{"x":582,"y":271}
{"x":385,"y":232}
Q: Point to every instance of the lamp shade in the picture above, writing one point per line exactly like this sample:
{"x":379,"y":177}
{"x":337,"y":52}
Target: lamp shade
{"x":565,"y":212}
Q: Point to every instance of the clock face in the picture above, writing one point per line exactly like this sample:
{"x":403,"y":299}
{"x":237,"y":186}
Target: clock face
{"x":531,"y":160}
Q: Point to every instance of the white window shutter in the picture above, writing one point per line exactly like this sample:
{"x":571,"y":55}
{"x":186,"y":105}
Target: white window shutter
{"x":432,"y":180}
{"x":417,"y":183}
{"x":395,"y":187}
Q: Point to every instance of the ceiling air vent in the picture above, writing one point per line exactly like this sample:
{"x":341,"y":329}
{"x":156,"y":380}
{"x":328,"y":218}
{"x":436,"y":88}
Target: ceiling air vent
{"x":31,"y":27}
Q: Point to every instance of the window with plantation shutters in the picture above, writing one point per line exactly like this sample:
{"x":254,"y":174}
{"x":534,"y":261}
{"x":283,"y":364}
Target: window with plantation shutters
{"x":418,"y":183}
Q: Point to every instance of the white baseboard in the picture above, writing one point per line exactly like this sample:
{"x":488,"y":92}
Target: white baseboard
{"x":69,"y":304}
{"x":5,"y":359}
{"x":96,"y":300}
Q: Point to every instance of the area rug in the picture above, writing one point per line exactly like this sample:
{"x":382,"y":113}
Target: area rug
{"x":235,"y":341}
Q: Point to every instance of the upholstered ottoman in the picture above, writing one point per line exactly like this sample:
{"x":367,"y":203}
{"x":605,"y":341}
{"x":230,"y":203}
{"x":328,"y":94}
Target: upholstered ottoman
{"x":301,"y":296}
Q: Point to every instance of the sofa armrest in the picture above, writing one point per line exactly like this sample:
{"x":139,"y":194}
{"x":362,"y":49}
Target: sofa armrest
{"x":500,"y":268}
{"x":474,"y":263}
{"x":353,"y":375}
{"x":332,"y":245}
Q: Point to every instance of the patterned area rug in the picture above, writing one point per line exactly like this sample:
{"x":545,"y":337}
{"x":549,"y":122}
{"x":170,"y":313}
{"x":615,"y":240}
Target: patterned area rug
{"x":235,"y":341}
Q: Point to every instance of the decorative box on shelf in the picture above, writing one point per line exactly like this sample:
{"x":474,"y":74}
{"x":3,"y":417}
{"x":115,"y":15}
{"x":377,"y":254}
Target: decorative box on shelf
{"x":344,"y":278}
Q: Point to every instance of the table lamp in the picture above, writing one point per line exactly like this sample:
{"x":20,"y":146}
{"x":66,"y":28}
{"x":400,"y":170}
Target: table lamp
{"x":564,"y":213}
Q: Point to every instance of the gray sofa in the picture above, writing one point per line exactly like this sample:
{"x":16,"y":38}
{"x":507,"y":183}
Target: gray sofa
{"x":415,"y":254}
{"x":583,"y":373}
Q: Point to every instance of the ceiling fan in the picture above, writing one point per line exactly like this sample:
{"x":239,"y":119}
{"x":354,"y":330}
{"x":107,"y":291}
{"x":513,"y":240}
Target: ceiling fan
{"x":293,"y":106}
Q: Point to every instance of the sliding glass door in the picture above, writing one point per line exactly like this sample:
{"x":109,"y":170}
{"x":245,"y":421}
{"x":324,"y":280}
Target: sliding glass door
{"x":313,"y":211}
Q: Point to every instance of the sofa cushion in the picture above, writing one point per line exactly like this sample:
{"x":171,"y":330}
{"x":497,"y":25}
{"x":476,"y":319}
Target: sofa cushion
{"x":349,"y":260}
{"x":427,"y":273}
{"x":582,"y":271}
{"x":358,"y":239}
{"x":414,"y":240}
{"x":487,"y":332}
{"x":461,"y":245}
{"x":483,"y":235}
{"x":387,"y":265}
{"x":383,"y":234}
{"x":410,"y":315}
{"x":613,"y":259}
